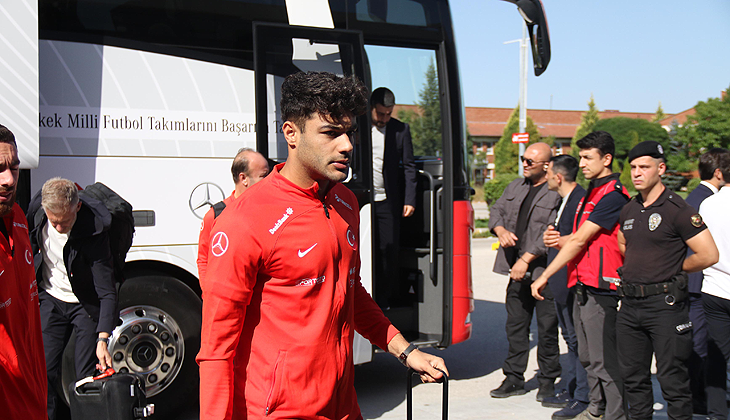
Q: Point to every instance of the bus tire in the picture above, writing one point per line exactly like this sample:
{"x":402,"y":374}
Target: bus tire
{"x":158,"y":337}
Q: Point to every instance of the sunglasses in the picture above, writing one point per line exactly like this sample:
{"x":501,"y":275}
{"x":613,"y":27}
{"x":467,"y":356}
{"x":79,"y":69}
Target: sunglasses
{"x":531,"y":162}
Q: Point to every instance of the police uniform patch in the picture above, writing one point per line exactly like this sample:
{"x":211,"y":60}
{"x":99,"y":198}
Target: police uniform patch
{"x":696,"y":220}
{"x":654,"y":221}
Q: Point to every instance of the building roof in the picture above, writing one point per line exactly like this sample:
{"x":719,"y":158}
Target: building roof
{"x":490,"y":122}
{"x":681,"y":118}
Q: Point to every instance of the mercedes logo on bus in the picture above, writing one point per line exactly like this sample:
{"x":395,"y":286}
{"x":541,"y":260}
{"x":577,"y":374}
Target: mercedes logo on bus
{"x":203,"y":197}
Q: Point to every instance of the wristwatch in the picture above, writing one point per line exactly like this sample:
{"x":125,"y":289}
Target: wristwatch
{"x":403,"y":356}
{"x":104,"y":339}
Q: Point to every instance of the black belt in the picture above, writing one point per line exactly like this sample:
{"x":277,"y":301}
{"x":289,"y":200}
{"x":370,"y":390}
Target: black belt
{"x":643,"y":290}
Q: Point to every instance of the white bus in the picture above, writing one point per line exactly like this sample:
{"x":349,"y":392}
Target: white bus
{"x":154,"y":98}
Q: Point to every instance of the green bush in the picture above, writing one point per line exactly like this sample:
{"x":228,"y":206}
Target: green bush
{"x":481,"y":223}
{"x":692,"y":184}
{"x":494,"y":188}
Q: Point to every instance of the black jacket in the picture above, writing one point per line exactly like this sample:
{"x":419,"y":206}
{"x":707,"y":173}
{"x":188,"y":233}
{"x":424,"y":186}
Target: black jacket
{"x":558,"y":282}
{"x":400,"y":184}
{"x":87,"y":257}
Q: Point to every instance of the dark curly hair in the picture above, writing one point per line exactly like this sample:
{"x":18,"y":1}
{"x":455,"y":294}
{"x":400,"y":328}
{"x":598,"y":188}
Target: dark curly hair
{"x":331,"y":96}
{"x":6,"y":136}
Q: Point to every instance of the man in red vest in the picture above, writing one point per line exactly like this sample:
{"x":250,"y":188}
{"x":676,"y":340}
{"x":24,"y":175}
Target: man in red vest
{"x":22,"y":363}
{"x":592,"y":255}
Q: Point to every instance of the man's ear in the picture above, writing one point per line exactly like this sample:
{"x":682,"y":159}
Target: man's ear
{"x":243,"y":179}
{"x":608,"y":160}
{"x":718,"y":175}
{"x":291,"y":133}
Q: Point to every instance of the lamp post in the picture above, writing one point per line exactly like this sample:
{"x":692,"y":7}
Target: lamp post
{"x":523,"y":88}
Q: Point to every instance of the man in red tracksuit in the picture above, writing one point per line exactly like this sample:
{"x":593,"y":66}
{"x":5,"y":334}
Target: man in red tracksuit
{"x":248,"y":168}
{"x":22,"y":363}
{"x":282,"y":297}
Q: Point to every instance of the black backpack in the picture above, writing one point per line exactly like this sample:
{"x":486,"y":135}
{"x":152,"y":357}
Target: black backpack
{"x":121,"y":230}
{"x":218,"y":208}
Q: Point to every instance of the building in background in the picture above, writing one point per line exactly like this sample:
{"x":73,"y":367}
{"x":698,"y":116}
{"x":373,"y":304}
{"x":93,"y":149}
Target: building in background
{"x":486,"y":126}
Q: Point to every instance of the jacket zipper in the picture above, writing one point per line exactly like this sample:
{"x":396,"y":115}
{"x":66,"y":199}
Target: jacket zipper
{"x":270,"y":398}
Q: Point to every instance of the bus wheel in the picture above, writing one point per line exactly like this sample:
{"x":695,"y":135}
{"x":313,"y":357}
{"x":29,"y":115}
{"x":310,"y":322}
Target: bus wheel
{"x":158,"y":337}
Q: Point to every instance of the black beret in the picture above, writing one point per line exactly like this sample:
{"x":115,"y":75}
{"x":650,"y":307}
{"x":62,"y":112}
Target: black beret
{"x":647,"y":148}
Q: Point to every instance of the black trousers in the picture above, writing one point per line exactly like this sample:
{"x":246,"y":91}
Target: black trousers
{"x":520,"y":305}
{"x":387,"y":238}
{"x":58,"y":320}
{"x":717,"y":315}
{"x":696,"y":364}
{"x":650,"y":325}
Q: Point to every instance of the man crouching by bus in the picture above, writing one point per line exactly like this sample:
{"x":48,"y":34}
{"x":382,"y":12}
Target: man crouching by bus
{"x":282,"y":294}
{"x":74,"y":271}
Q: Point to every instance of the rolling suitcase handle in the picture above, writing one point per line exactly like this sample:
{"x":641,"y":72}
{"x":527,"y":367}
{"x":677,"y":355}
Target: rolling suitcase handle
{"x":444,"y":399}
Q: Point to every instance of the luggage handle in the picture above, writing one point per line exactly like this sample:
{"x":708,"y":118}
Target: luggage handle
{"x":444,"y":400}
{"x":104,"y":374}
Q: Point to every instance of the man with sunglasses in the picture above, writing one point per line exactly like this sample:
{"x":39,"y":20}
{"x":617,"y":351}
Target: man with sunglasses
{"x":518,"y":219}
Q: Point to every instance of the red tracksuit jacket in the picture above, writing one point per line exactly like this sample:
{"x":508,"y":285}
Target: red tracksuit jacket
{"x":203,"y":246}
{"x":281,"y":301}
{"x":22,"y":361}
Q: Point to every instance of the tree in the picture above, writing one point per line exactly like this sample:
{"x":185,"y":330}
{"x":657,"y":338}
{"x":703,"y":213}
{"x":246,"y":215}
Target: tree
{"x":550,"y":140}
{"x":505,"y":152}
{"x":678,"y":158}
{"x":709,"y":127}
{"x":626,"y":176}
{"x":588,"y":120}
{"x":659,"y":115}
{"x":628,"y":132}
{"x":426,"y":128}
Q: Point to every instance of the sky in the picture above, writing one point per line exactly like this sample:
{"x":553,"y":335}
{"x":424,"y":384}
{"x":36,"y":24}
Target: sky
{"x":630,"y":55}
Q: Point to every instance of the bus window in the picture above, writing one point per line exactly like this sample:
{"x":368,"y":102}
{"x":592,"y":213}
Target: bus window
{"x":400,"y":12}
{"x":412,"y":75}
{"x":281,"y":51}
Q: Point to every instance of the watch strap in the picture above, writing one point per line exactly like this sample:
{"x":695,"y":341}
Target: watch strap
{"x":403,"y":356}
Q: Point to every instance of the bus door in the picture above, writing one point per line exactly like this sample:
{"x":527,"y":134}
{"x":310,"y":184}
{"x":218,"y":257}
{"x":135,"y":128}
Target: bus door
{"x":421,"y":294}
{"x":280,"y":50}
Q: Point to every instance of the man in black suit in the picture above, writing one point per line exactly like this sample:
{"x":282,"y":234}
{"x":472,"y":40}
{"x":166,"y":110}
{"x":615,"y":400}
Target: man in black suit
{"x":394,"y":185}
{"x":711,"y":181}
{"x":573,"y":397}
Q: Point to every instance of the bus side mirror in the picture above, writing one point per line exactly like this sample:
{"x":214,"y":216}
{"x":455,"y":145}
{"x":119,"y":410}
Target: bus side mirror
{"x":534,"y":15}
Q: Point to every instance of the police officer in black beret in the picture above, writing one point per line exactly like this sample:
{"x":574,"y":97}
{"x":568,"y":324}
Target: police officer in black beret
{"x":657,"y":226}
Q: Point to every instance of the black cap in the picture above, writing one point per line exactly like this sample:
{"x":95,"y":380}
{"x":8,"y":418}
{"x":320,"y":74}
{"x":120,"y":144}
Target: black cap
{"x":647,"y":148}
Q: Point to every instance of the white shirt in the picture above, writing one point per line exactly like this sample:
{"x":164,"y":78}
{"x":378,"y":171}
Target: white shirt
{"x":563,"y":202}
{"x":378,"y":138}
{"x":714,"y":212}
{"x":55,"y":278}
